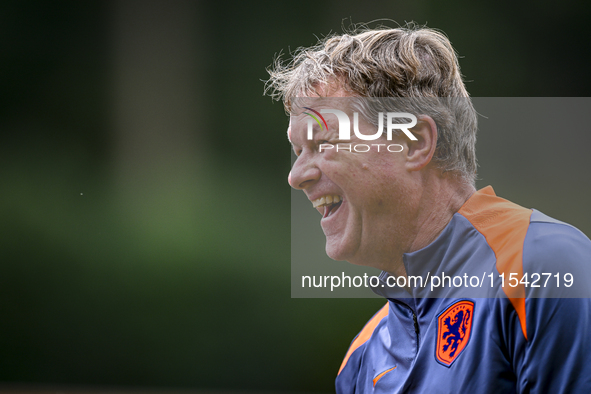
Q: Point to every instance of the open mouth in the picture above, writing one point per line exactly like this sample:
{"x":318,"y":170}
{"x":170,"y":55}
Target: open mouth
{"x":330,"y":203}
{"x":331,"y":209}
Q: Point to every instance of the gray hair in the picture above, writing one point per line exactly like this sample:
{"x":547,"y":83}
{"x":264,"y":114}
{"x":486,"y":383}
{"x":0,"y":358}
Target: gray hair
{"x":418,"y":65}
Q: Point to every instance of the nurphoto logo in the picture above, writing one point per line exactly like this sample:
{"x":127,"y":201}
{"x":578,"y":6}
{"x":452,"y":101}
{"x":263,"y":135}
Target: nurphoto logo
{"x":345,"y":129}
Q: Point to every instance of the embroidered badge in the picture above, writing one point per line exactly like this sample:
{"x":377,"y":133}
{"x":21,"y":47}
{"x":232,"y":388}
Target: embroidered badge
{"x":453,"y":331}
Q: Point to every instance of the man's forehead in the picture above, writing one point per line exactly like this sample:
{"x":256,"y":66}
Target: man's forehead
{"x":311,"y":110}
{"x":304,"y":108}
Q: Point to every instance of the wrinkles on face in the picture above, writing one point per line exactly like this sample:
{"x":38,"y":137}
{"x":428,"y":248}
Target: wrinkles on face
{"x":368,"y":183}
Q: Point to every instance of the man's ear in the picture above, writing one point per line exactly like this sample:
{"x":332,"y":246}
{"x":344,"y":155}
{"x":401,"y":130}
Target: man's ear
{"x":420,"y":152}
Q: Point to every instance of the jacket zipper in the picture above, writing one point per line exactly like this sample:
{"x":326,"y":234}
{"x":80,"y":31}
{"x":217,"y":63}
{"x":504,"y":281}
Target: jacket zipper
{"x":414,"y":319}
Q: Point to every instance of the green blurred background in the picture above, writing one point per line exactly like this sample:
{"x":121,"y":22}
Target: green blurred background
{"x":145,"y":213}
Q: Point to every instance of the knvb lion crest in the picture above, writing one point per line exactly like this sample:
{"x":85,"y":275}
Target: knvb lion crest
{"x":454,"y":326}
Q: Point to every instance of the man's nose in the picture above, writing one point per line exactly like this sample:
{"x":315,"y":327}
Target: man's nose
{"x":303,"y":174}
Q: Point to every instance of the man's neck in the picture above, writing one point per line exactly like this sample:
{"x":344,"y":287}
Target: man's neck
{"x":436,"y":204}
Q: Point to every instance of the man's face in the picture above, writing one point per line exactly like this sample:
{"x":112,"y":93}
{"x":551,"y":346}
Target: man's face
{"x":359,"y":195}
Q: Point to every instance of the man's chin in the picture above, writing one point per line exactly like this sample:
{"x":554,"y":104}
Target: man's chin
{"x":338,"y":251}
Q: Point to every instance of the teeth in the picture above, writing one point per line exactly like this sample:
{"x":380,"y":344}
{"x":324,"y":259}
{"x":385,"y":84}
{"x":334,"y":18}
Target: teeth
{"x":326,"y":200}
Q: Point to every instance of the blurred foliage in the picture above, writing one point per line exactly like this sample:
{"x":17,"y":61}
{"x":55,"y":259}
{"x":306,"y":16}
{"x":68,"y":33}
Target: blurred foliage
{"x":183,"y":280}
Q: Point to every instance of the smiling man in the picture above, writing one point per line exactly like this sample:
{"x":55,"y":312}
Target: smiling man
{"x":389,"y":201}
{"x":413,"y":212}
